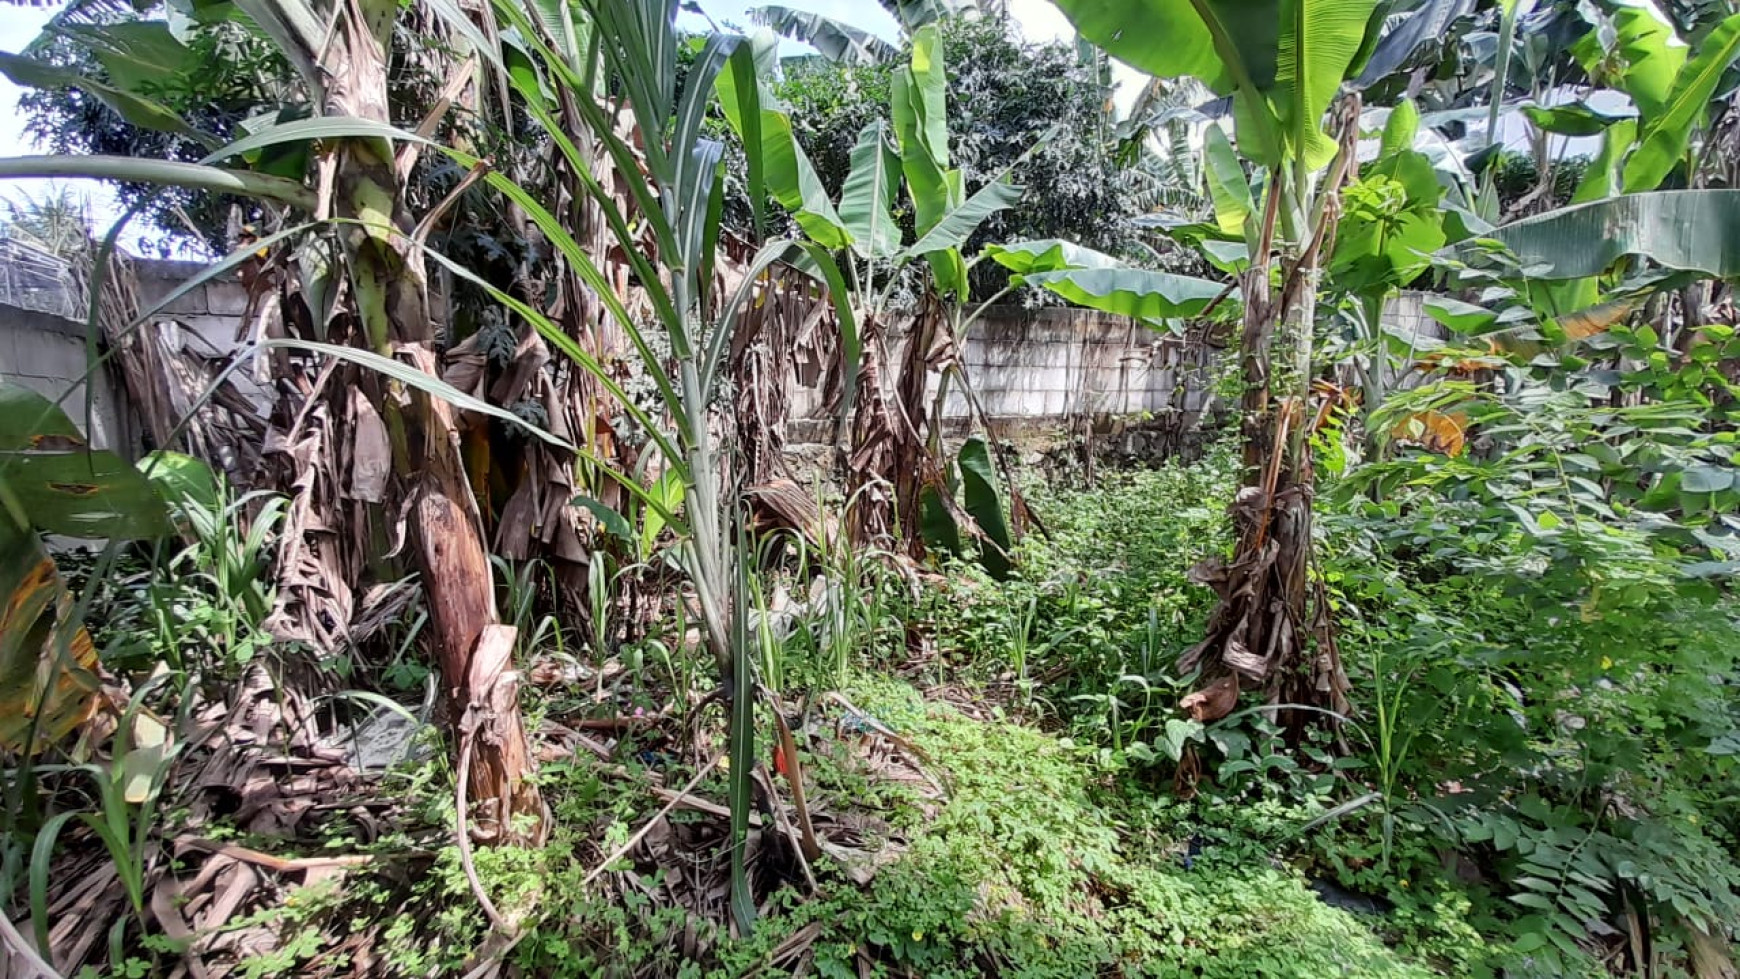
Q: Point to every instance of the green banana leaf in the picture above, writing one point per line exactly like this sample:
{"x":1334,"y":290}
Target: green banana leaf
{"x":869,"y":193}
{"x":1697,"y":230}
{"x":51,"y":480}
{"x":1282,"y":61}
{"x":985,"y":505}
{"x":1153,"y":297}
{"x":1048,"y":255}
{"x":1228,"y":187}
{"x":1667,"y":131}
{"x":775,"y":158}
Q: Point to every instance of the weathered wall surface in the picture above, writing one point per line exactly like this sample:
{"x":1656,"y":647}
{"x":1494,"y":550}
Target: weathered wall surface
{"x":1050,"y":364}
{"x":212,"y":310}
{"x":1032,"y":370}
{"x":46,"y":354}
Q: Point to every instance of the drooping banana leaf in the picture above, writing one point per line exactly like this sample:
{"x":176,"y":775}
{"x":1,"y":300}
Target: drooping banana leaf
{"x":1153,"y":297}
{"x":1698,"y":230}
{"x":51,"y":480}
{"x":1572,"y":119}
{"x":959,"y":223}
{"x":146,"y":113}
{"x":1048,"y":255}
{"x":1422,"y":27}
{"x":985,"y":505}
{"x":916,"y":14}
{"x":835,"y":40}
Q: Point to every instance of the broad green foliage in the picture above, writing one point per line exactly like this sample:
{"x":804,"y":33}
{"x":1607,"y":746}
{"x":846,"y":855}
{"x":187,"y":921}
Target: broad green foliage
{"x":1281,"y":60}
{"x":1039,"y":108}
{"x":945,"y":216}
{"x":870,"y":192}
{"x":1666,"y":129}
{"x":787,"y":172}
{"x":1097,"y":281}
{"x":1638,"y":51}
{"x":981,"y":503}
{"x":1228,"y":188}
{"x":1679,"y":229}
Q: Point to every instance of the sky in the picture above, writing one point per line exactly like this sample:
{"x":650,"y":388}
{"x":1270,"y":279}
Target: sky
{"x":18,"y":27}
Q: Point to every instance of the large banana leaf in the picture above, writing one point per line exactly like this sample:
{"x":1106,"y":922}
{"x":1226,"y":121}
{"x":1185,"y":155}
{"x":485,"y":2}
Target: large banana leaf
{"x":137,"y":109}
{"x":173,"y":173}
{"x":1425,"y":25}
{"x":1319,"y":41}
{"x":869,"y":193}
{"x":919,"y":105}
{"x":836,"y":40}
{"x":83,"y":493}
{"x":959,"y":223}
{"x":1282,"y":60}
{"x":1228,"y":187}
{"x":1048,"y":255}
{"x":1697,"y":230}
{"x":134,"y":54}
{"x":774,"y":154}
{"x":1153,"y":297}
{"x":1667,"y":130}
{"x":51,"y":480}
{"x":985,"y":505}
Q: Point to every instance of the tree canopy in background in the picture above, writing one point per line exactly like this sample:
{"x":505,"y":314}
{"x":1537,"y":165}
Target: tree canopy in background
{"x":1041,"y":107}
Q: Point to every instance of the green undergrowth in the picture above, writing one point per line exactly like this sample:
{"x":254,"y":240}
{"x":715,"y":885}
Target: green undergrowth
{"x":1028,"y":869}
{"x":1032,"y":869}
{"x":1033,"y":866}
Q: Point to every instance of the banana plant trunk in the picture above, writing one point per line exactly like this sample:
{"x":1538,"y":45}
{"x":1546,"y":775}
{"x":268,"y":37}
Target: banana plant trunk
{"x":1266,"y":633}
{"x":390,"y":283}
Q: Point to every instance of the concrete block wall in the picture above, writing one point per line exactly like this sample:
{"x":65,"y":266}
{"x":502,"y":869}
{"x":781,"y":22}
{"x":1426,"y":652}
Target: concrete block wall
{"x":1044,"y":365}
{"x":211,"y":310}
{"x":47,"y":354}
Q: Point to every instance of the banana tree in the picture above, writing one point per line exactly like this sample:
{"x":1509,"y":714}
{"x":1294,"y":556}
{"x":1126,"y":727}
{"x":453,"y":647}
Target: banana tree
{"x":666,"y":221}
{"x":352,"y":180}
{"x":1282,"y":63}
{"x":896,"y":435}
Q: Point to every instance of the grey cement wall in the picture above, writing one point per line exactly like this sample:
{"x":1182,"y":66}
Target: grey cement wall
{"x":1032,"y":369}
{"x":46,"y":354}
{"x":1050,"y":364}
{"x":211,"y":310}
